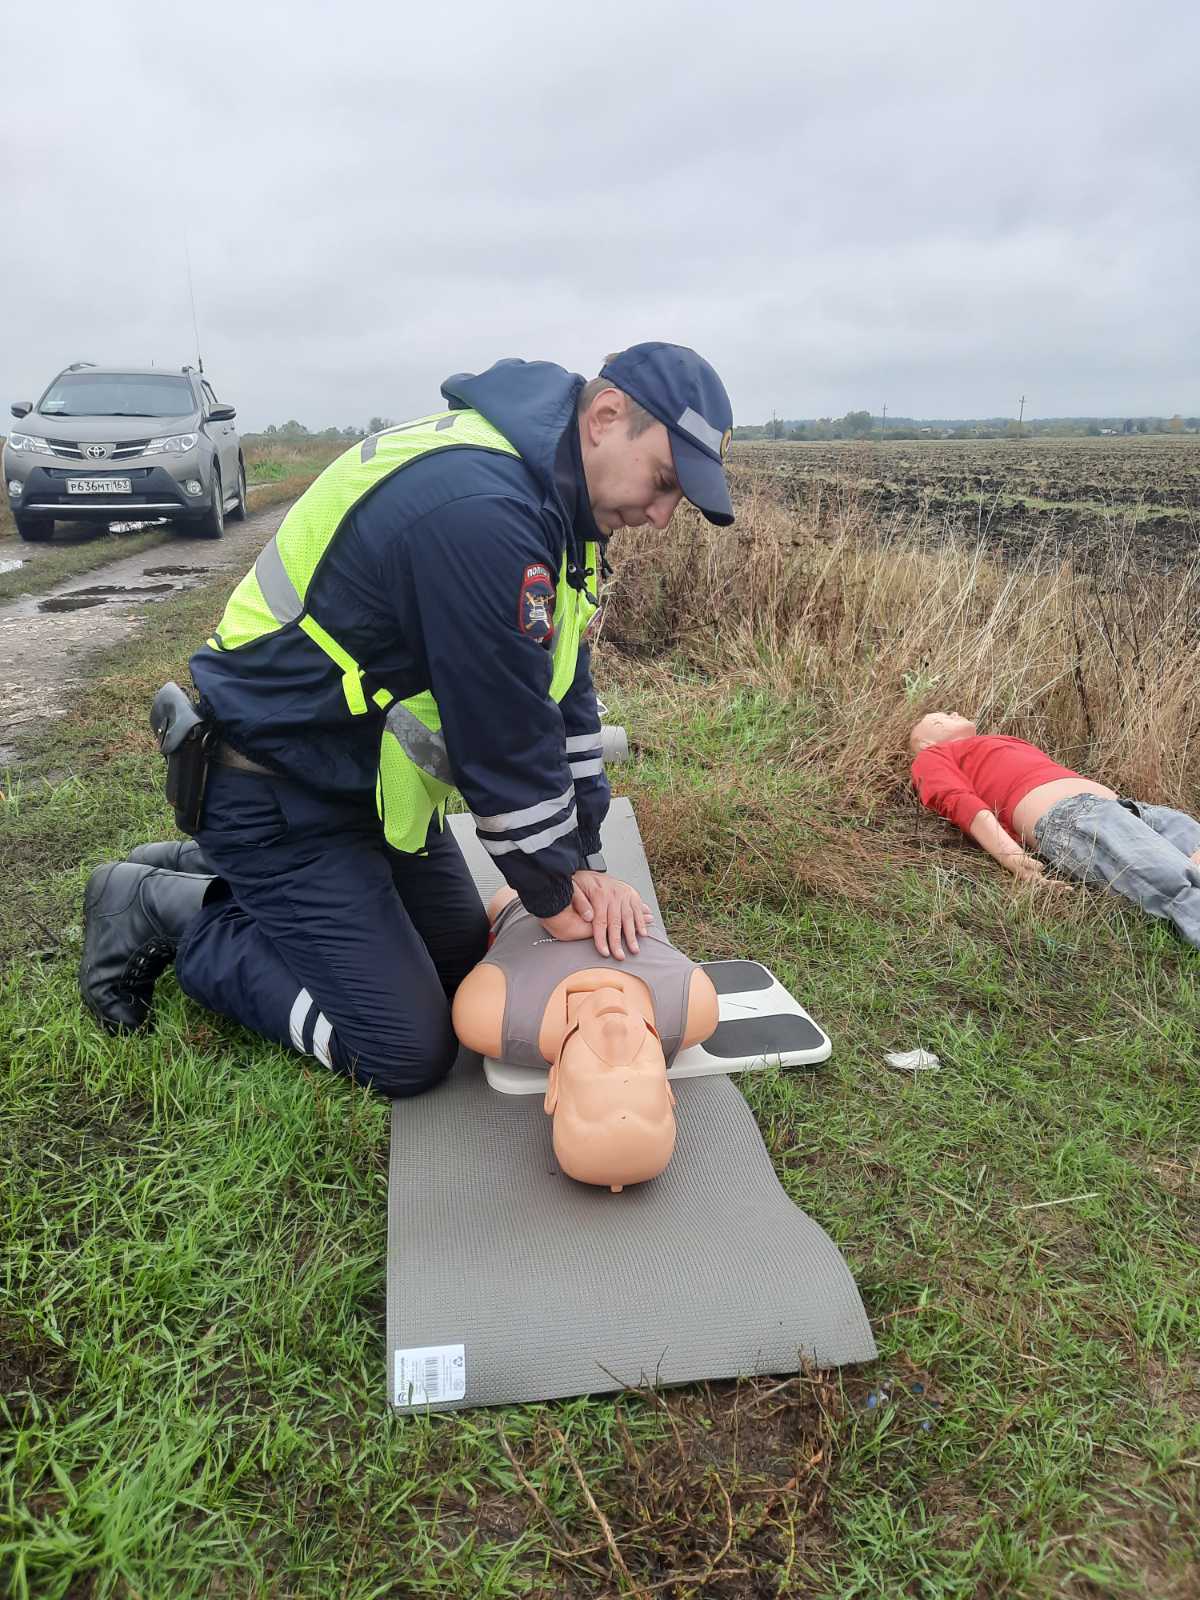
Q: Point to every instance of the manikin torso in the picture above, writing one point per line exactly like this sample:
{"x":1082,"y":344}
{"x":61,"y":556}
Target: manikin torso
{"x":1031,"y":808}
{"x":607,"y":1089}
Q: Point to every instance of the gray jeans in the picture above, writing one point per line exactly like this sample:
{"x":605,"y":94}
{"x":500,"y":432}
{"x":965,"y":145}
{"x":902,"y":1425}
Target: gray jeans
{"x":1141,"y":851}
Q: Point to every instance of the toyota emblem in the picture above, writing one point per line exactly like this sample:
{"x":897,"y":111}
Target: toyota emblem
{"x":96,"y":452}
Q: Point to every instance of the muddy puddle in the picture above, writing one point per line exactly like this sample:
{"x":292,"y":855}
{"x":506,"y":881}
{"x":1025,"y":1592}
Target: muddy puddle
{"x":102,"y":594}
{"x":89,"y":596}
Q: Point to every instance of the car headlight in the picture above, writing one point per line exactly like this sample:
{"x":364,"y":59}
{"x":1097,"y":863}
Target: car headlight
{"x":174,"y":446}
{"x":27,"y":441}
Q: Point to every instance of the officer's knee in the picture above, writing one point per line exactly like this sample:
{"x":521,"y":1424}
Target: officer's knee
{"x":406,"y":1070}
{"x":401,"y":1081}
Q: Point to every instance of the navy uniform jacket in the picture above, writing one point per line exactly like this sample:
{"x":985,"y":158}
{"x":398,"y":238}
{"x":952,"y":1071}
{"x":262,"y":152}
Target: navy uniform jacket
{"x":423,"y":587}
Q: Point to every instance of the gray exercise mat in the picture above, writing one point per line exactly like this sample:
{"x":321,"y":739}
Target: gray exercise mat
{"x":509,"y":1282}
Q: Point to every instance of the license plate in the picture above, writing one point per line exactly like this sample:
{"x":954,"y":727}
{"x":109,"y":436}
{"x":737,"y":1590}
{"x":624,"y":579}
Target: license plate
{"x":99,"y":486}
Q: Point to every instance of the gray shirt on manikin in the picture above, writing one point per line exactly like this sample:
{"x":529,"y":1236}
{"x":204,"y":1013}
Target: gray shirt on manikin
{"x":534,"y":963}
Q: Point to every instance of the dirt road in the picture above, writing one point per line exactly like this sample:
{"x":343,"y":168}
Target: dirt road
{"x":47,"y":640}
{"x":16,"y":553}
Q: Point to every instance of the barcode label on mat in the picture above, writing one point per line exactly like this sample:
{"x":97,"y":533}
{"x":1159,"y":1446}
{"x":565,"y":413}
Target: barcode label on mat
{"x":426,"y":1376}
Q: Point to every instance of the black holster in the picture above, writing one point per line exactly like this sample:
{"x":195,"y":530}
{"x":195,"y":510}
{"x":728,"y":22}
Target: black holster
{"x":186,"y":739}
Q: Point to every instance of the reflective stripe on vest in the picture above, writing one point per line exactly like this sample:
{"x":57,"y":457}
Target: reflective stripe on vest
{"x":414,"y":778}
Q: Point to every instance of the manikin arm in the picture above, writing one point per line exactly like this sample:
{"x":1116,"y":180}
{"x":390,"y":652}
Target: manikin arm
{"x":1002,"y":847}
{"x":478,"y":1009}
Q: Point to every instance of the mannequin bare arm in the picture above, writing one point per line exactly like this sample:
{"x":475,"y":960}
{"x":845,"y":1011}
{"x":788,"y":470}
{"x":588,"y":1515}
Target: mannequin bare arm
{"x":703,"y":1012}
{"x":1002,"y":847}
{"x":478,"y":1010}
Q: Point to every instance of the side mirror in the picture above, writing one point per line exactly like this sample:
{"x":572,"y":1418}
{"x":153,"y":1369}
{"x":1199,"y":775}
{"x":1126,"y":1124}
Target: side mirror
{"x":222,"y":414}
{"x":22,"y":408}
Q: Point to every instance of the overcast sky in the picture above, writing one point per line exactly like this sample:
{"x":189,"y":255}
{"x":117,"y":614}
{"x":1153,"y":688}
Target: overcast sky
{"x":941,"y":206}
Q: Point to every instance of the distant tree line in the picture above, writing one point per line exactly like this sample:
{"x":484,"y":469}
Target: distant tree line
{"x":863,"y":425}
{"x":293,"y":432}
{"x":854,"y":425}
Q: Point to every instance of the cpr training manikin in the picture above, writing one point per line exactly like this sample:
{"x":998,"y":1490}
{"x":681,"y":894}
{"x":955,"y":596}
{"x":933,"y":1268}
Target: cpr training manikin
{"x":607,"y":1030}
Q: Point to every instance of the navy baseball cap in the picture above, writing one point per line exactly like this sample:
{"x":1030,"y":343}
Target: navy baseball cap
{"x":679,"y":387}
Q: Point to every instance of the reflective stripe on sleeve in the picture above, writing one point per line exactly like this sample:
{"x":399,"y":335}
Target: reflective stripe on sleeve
{"x":535,"y":842}
{"x":583,"y":741}
{"x":504,"y":820}
{"x":587,"y":769}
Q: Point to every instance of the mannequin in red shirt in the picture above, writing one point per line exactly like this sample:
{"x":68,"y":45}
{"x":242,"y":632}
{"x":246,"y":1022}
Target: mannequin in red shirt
{"x":1002,"y":815}
{"x":1026,"y":810}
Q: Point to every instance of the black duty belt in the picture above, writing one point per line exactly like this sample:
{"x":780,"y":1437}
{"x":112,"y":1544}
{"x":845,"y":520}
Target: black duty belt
{"x":226,"y":756}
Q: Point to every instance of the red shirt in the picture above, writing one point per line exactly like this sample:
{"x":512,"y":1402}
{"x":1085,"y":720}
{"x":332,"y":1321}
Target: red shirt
{"x":990,"y":772}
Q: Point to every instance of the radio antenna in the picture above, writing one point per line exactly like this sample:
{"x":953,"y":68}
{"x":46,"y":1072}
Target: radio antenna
{"x":187,"y":256}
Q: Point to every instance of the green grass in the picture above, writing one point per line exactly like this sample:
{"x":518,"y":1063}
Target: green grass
{"x":273,"y":463}
{"x":191,"y":1339}
{"x":1129,"y":513}
{"x":1023,"y":1223}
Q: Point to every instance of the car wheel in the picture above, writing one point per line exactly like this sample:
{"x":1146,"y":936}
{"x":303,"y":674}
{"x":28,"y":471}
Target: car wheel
{"x":212,"y":524}
{"x":238,"y":514}
{"x":35,"y":530}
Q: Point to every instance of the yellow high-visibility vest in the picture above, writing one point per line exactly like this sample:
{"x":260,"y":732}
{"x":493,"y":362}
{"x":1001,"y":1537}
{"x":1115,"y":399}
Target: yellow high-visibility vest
{"x":414,"y":778}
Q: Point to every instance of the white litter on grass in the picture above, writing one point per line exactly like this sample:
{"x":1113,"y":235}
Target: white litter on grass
{"x":913,"y":1060}
{"x":135,"y":527}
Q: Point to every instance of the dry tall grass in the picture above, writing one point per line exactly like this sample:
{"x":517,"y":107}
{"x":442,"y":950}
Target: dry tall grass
{"x":870,"y":626}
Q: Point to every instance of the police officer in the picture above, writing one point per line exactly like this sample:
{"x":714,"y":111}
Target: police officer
{"x":417,"y":625}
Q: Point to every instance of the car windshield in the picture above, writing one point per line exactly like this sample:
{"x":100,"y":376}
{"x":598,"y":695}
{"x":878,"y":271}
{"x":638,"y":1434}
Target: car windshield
{"x":117,"y":394}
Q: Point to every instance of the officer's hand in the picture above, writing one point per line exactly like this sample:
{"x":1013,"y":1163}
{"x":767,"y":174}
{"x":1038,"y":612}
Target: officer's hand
{"x":616,"y":911}
{"x":567,"y":924}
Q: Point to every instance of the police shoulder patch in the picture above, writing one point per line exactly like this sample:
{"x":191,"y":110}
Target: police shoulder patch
{"x":535,"y":603}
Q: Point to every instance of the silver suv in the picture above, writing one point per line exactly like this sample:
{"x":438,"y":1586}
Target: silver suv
{"x":128,"y":442}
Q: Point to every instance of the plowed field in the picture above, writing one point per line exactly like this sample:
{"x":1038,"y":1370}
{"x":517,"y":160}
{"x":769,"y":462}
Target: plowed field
{"x":1083,"y":495}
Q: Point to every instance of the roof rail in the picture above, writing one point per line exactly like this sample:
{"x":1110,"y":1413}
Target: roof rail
{"x":78,"y":366}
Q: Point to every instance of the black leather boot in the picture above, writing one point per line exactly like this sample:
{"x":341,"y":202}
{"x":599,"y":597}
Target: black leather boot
{"x":133,"y":919}
{"x":180,"y":855}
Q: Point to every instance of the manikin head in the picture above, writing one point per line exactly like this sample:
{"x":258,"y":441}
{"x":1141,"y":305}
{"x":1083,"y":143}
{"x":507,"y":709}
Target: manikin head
{"x":936,"y":727}
{"x":608,"y":1093}
{"x":653,"y":429}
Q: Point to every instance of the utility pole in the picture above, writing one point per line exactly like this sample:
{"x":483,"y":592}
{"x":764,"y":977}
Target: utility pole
{"x":883,"y":421}
{"x":1021,"y":418}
